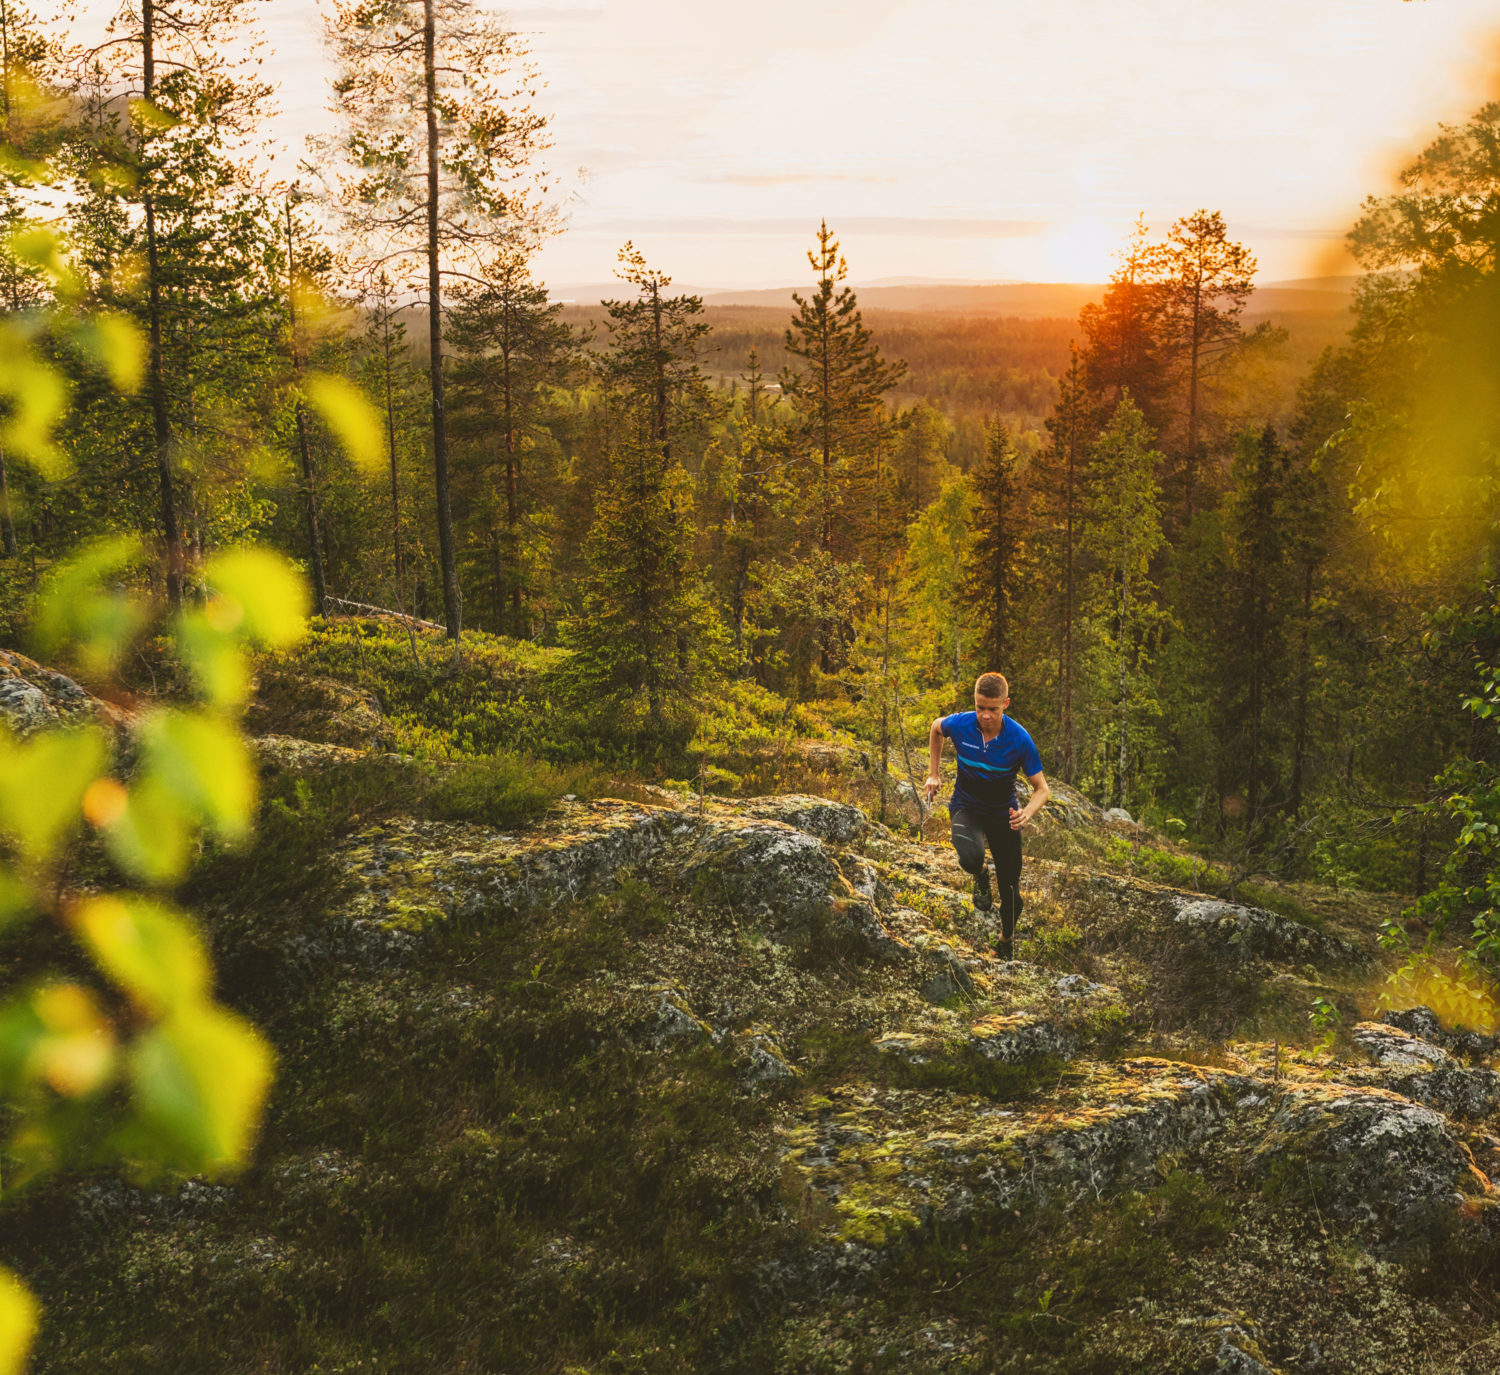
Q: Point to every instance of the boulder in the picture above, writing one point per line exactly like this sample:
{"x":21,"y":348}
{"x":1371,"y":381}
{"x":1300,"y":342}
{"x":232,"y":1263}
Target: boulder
{"x":34,"y":698}
{"x":1230,"y":932}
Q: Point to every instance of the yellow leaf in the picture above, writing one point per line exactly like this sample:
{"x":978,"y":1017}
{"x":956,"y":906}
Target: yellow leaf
{"x":151,"y":836}
{"x":265,"y":597}
{"x":200,"y":1081}
{"x":41,"y":248}
{"x":42,"y":783}
{"x":18,"y":1322}
{"x":17,"y":901}
{"x":151,"y":952}
{"x":204,"y":763}
{"x":348,"y":413}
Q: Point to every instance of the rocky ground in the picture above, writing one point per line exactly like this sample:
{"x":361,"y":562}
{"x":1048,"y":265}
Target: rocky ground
{"x":695,"y":1084}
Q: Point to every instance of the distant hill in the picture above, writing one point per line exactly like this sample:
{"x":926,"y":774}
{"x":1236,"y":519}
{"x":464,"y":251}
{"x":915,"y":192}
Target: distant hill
{"x":1016,"y":300}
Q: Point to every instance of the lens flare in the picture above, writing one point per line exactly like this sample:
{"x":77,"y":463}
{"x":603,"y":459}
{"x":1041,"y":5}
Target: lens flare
{"x":1459,"y":996}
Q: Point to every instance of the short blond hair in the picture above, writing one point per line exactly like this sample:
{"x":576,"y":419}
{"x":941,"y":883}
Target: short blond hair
{"x":992,"y":685}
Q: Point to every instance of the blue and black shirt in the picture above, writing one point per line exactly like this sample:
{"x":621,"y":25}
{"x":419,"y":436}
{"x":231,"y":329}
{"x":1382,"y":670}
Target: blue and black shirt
{"x":987,"y":772}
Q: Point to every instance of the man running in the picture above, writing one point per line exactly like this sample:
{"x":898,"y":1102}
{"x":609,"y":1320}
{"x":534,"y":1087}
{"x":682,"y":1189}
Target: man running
{"x":991,"y":749}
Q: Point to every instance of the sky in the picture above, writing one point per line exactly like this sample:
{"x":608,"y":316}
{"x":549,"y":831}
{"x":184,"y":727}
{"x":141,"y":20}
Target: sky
{"x":974,"y":140}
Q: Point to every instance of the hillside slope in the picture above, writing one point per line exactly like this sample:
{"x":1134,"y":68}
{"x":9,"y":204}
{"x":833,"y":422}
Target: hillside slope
{"x":737,"y":1086}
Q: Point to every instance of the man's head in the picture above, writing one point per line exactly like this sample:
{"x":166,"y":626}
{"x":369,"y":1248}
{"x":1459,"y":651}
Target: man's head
{"x":991,"y":697}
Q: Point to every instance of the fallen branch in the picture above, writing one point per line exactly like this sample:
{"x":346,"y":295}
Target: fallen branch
{"x":367,"y":610}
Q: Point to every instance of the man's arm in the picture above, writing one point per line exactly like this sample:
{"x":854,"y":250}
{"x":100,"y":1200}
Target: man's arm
{"x":934,"y":757}
{"x":1040,"y":792}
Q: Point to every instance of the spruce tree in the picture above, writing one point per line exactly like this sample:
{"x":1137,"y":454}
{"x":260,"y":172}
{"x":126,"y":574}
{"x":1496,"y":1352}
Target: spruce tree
{"x":645,"y":629}
{"x":838,"y":381}
{"x":510,"y":345}
{"x":1122,"y":536}
{"x":995,"y":570}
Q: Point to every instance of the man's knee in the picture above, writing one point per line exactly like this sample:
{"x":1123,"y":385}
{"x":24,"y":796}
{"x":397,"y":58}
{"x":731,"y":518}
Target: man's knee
{"x":968,"y":843}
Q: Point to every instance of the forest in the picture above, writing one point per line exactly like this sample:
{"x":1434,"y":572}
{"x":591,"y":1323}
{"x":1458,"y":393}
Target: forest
{"x":1237,"y":584}
{"x":1238,"y":565}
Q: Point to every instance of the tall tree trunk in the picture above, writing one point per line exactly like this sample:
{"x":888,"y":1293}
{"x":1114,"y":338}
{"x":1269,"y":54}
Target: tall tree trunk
{"x":156,"y":382}
{"x":1192,"y":432}
{"x":512,"y":495}
{"x":390,"y":437}
{"x":1065,"y":673}
{"x":452,"y":603}
{"x":7,"y":523}
{"x":1299,"y":738}
{"x":1124,"y":756}
{"x":309,"y":484}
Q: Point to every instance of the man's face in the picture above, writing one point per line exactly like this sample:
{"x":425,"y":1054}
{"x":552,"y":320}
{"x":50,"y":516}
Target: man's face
{"x":991,"y":712}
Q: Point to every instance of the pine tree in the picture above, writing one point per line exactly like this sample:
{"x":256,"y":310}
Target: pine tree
{"x":1125,"y":348}
{"x":645,"y":629}
{"x":1255,"y":518}
{"x":842,"y":380}
{"x":1204,"y":279}
{"x":198,"y":227}
{"x":439,"y":141}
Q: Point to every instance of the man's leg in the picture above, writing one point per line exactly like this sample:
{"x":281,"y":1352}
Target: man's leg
{"x":968,"y":842}
{"x":1005,"y":845}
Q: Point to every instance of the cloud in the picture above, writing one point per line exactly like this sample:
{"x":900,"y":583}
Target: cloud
{"x":892,"y":225}
{"x":789,"y":179}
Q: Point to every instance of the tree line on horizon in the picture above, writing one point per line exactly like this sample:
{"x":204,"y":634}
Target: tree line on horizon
{"x":1256,"y":626}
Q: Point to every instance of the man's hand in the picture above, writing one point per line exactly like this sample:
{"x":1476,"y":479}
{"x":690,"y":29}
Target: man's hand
{"x":1018,"y":818}
{"x":931,"y":786}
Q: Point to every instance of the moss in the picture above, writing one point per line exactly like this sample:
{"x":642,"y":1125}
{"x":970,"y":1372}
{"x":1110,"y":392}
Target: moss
{"x":873,"y":1226}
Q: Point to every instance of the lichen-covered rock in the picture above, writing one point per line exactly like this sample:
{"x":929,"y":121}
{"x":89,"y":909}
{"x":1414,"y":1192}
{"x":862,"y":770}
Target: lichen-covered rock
{"x":1423,"y":1022}
{"x":945,"y":1157}
{"x":760,"y":1059}
{"x":1069,"y":809}
{"x":1368,"y":1154}
{"x":676,"y":1021}
{"x":819,"y":816}
{"x":34,"y":698}
{"x":1391,"y":1046}
{"x":1019,"y":1038}
{"x":1230,"y":931}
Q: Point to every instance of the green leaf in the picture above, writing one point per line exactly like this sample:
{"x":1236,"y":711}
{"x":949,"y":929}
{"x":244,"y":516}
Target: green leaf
{"x":38,"y":395}
{"x":260,"y":595}
{"x":151,"y":952}
{"x":42,"y":783}
{"x":214,"y":658}
{"x":54,"y":1034}
{"x":152,"y":837}
{"x":204,"y":763}
{"x":19,"y":1314}
{"x":200,"y":1081}
{"x":114,"y":342}
{"x":153,"y":116}
{"x":348,"y":413}
{"x":75,"y":609}
{"x":40,"y":247}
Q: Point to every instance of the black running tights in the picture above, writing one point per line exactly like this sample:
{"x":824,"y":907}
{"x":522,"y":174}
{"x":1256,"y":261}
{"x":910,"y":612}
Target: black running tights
{"x":971,"y":831}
